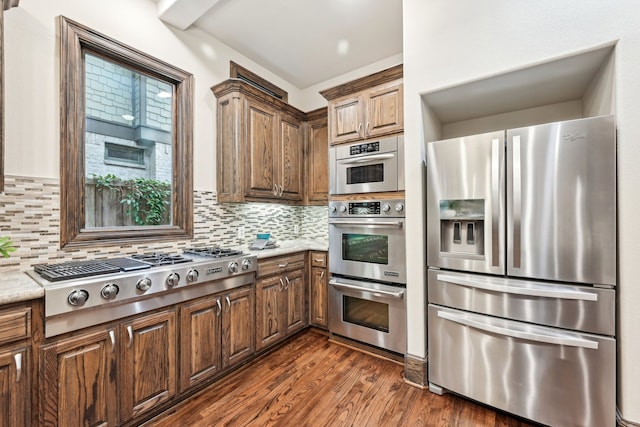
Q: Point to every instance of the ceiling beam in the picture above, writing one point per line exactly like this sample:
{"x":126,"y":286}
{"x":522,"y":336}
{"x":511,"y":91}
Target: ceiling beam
{"x":183,"y":13}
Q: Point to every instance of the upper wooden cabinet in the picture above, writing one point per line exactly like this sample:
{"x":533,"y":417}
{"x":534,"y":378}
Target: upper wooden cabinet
{"x":366,"y":108}
{"x":317,"y":158}
{"x":260,"y":146}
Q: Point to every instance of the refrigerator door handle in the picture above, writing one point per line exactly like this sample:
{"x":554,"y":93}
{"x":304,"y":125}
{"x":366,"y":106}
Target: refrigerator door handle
{"x":495,"y":202}
{"x":534,"y":292}
{"x":529,"y":336}
{"x":516,"y":197}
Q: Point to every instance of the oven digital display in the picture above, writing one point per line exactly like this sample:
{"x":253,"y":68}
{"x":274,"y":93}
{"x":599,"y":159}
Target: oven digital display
{"x":369,"y":248}
{"x":364,"y":208}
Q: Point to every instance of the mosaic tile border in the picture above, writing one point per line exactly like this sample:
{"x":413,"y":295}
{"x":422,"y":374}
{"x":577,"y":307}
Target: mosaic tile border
{"x":30,"y":215}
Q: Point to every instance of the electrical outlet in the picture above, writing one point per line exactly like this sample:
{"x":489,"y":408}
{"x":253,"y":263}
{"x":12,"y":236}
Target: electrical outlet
{"x":240,"y":232}
{"x":296,"y":230}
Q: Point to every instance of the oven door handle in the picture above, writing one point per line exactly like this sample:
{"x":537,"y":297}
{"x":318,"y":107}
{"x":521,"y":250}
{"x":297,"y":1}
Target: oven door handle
{"x":336,"y":284}
{"x":394,"y":224}
{"x":366,"y":159}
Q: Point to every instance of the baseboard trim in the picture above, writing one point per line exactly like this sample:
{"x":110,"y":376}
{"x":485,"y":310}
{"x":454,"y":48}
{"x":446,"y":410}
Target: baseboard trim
{"x":415,"y":371}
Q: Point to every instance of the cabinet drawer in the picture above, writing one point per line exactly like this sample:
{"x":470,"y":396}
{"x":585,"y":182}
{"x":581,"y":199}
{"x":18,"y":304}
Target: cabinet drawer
{"x":319,"y":259}
{"x":15,"y":324}
{"x":279,"y":264}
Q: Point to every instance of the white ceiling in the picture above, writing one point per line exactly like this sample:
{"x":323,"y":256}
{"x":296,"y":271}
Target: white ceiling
{"x":304,"y":42}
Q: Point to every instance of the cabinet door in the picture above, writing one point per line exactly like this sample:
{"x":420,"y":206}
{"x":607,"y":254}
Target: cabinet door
{"x":230,"y":149}
{"x":296,"y":313}
{"x":148,"y":372}
{"x":260,"y":169}
{"x":345,"y":119}
{"x":384,"y":111}
{"x":200,"y":340}
{"x":269,"y":322}
{"x":318,"y":162}
{"x":79,"y":381}
{"x":238,"y":322}
{"x":318,"y":300}
{"x":15,"y":401}
{"x":290,"y":158}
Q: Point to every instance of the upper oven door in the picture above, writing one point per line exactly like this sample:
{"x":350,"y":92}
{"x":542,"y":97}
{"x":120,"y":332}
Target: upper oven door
{"x":367,"y":174}
{"x":371,"y":248}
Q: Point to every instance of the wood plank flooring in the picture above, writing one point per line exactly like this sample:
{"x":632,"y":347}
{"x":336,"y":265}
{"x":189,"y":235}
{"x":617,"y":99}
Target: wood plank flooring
{"x":312,"y":382}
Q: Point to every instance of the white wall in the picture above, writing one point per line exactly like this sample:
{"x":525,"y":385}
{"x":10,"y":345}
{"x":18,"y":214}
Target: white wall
{"x":447,"y":43}
{"x":32,"y":76}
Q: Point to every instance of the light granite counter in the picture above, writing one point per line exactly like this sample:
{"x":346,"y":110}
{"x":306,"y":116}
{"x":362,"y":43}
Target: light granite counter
{"x":16,"y":286}
{"x":287,"y":247}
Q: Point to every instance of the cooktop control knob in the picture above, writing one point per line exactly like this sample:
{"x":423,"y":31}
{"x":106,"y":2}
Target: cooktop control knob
{"x":246,"y":264}
{"x":78,"y":297}
{"x":173,"y":280}
{"x":343,"y":208}
{"x":333,"y":208}
{"x":109,"y":291}
{"x":233,"y":267}
{"x":399,"y":207}
{"x":386,"y":207}
{"x":143,"y":284}
{"x":192,"y":276}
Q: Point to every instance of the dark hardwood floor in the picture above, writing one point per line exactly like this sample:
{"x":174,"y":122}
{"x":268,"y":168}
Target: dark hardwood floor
{"x":312,"y":382}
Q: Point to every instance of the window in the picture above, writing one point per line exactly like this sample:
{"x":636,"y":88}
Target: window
{"x":126,"y":143}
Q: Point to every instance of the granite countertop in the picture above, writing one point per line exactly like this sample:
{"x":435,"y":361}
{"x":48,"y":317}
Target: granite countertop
{"x":16,"y":286}
{"x":287,"y":247}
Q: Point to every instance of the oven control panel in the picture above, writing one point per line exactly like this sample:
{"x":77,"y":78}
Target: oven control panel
{"x":367,"y":208}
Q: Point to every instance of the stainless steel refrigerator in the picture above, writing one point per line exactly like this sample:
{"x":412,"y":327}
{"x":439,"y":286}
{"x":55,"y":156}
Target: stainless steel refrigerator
{"x":521,"y":249}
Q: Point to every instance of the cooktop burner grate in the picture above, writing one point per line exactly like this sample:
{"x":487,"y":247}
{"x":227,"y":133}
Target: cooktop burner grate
{"x":213,"y":252}
{"x":74,"y":270}
{"x":156,"y":259}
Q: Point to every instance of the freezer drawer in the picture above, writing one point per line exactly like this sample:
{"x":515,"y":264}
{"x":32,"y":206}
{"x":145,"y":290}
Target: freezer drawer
{"x":568,"y":306}
{"x":548,"y":375}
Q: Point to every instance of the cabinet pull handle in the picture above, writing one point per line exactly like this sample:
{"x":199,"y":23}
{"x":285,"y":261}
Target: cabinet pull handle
{"x":321,"y":275}
{"x":281,"y":284}
{"x":275,"y":190}
{"x":219,"y":306}
{"x":283,"y":265}
{"x":130,"y":333}
{"x":18,"y":359}
{"x":318,"y":260}
{"x":228,"y":303}
{"x":366,"y":131}
{"x":112,"y":337}
{"x":281,"y":190}
{"x":288,"y":282}
{"x":359,"y":127}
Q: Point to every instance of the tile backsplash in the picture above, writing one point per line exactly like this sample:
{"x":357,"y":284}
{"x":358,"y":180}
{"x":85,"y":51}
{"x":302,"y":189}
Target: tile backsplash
{"x":30,"y":215}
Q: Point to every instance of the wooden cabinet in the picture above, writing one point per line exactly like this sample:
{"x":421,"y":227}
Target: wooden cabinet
{"x":318,"y":291}
{"x":216,"y":332}
{"x":148,"y":371}
{"x":317,"y":158}
{"x":280,"y":298}
{"x":80,"y":374}
{"x":366,"y":108}
{"x":259,"y":146}
{"x":78,"y":377}
{"x":15,"y":362}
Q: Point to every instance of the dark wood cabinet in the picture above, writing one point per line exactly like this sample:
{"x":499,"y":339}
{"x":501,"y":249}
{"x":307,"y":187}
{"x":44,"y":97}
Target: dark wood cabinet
{"x":318,"y":289}
{"x":260,"y":129}
{"x":289,"y":162}
{"x":238,"y":326}
{"x":317,"y":158}
{"x":78,"y":380}
{"x":368,"y":107}
{"x":14,"y":386}
{"x":148,"y":371}
{"x":280,"y":298}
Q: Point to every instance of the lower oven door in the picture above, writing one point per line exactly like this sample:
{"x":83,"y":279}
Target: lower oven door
{"x":372,"y":313}
{"x":552,"y":376}
{"x":369,"y":248}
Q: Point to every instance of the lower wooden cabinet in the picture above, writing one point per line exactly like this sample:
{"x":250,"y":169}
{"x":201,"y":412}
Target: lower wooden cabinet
{"x":14,"y":386}
{"x":318,"y":291}
{"x":280,"y":299}
{"x":148,"y":371}
{"x":216,"y":332}
{"x":79,"y":374}
{"x":78,"y":380}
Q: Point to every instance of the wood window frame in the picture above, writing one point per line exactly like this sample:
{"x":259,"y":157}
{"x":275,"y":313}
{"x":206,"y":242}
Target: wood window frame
{"x":75,"y":39}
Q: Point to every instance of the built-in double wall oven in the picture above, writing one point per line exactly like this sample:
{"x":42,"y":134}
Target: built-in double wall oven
{"x":368,"y":272}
